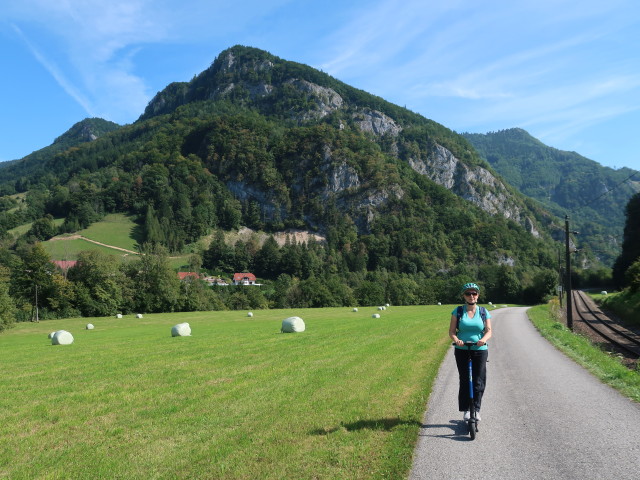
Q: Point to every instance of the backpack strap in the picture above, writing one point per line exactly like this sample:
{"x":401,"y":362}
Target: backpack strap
{"x":459,"y":313}
{"x":483,"y":316}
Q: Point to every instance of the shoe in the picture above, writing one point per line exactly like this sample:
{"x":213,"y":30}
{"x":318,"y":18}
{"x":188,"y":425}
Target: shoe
{"x":467,"y":415}
{"x":478,"y":415}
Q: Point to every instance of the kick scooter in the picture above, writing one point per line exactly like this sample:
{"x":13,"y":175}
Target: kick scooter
{"x":472,"y":423}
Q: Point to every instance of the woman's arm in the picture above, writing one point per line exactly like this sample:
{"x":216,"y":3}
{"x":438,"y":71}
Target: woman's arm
{"x":487,"y":333}
{"x":452,"y":330}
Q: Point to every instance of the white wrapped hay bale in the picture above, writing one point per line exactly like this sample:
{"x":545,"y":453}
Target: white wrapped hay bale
{"x":181,"y":330}
{"x":90,"y":326}
{"x":250,"y":314}
{"x":386,"y":305}
{"x":603,"y":292}
{"x":61,"y":337}
{"x":380,"y":308}
{"x":139,"y":315}
{"x":375,"y":315}
{"x":355,"y":309}
{"x":119,"y":315}
{"x":51,"y":335}
{"x":292,"y":325}
{"x":439,"y":303}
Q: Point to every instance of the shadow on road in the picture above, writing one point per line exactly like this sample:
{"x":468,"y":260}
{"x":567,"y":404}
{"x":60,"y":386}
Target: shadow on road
{"x":458,"y":430}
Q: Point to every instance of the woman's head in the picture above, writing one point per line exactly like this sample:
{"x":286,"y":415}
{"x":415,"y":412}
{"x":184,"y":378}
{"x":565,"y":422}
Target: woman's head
{"x":470,"y":292}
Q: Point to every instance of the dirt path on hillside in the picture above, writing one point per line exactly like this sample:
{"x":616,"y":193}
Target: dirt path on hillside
{"x":80,"y":237}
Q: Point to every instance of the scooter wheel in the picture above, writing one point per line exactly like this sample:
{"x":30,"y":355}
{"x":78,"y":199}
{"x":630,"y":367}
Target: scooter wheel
{"x":472,"y":430}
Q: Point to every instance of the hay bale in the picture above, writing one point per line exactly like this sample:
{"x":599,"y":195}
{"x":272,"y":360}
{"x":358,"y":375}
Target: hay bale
{"x":139,"y":315}
{"x":61,"y":337}
{"x":181,"y":330}
{"x":603,"y":292}
{"x":292,"y":325}
{"x":89,"y":326}
{"x":490,"y":303}
{"x":380,"y":308}
{"x":375,"y":315}
{"x":355,"y":309}
{"x":119,"y":315}
{"x":250,"y":314}
{"x":51,"y":335}
{"x":386,"y":305}
{"x":439,"y":303}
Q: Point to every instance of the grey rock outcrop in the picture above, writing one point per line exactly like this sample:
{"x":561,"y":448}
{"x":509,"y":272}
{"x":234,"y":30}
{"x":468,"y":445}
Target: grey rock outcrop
{"x":473,"y":183}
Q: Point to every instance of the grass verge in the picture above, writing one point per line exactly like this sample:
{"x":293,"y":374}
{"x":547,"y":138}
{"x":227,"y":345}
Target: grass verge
{"x":579,"y":348}
{"x":236,"y":400}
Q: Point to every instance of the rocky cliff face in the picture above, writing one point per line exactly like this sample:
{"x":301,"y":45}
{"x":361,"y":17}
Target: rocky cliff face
{"x":475,"y":184}
{"x":252,"y":79}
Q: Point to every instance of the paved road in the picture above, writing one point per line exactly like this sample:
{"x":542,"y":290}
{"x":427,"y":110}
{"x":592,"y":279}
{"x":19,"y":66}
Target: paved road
{"x":543,"y":417}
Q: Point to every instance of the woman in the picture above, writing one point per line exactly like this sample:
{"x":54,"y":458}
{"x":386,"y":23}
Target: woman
{"x":474,"y":325}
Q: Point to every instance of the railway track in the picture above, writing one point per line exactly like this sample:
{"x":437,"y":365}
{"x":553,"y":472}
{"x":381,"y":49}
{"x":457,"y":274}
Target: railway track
{"x":621,"y":338}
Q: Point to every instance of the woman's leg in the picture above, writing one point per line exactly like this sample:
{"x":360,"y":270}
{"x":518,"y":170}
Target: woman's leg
{"x":479,"y":370}
{"x":462,"y":362}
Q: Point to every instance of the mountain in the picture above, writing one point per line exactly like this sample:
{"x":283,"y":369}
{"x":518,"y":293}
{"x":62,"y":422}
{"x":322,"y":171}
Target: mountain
{"x":84,"y":131}
{"x":566,"y":183}
{"x":258,"y":141}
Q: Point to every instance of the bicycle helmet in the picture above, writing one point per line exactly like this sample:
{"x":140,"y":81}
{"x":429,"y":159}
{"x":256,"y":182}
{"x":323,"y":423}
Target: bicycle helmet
{"x":467,"y":286}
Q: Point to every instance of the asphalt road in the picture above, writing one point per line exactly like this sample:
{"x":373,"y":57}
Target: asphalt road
{"x":543,"y":417}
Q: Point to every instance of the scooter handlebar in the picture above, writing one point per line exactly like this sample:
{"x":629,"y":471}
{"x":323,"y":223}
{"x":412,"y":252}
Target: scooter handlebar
{"x":467,"y":344}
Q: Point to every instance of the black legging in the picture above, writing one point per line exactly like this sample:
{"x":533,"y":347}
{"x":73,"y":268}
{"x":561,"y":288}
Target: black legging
{"x":479,"y":372}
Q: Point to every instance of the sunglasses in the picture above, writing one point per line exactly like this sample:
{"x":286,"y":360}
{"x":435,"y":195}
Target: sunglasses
{"x":471,"y":293}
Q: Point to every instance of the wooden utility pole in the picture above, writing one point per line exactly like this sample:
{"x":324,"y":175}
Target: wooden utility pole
{"x":567,"y":254}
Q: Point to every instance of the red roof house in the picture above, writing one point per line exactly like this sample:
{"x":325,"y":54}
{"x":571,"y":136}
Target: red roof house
{"x":188,"y":276}
{"x":244,"y":279}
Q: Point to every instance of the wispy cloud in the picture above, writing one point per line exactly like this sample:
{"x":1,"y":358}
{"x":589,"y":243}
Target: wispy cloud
{"x":94,"y":42}
{"x":56,"y":73}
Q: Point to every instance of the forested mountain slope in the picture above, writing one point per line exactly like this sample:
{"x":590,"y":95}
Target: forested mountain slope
{"x":594,"y":196}
{"x":259,"y":141}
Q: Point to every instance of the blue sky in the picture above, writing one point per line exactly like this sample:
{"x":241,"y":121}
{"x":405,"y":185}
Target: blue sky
{"x":566,"y":71}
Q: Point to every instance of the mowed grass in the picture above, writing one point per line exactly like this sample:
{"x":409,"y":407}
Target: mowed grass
{"x":236,"y":400}
{"x":114,"y":229}
{"x":62,"y":249}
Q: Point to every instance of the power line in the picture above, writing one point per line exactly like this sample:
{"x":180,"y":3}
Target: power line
{"x":612,"y":189}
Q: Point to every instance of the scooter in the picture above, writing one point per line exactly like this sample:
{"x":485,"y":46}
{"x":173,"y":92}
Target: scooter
{"x":472,"y":423}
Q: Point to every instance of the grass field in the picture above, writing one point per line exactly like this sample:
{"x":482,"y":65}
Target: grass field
{"x":236,"y":400}
{"x":114,"y":229}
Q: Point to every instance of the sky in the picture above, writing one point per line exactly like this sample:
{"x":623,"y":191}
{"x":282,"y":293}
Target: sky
{"x":566,"y":71}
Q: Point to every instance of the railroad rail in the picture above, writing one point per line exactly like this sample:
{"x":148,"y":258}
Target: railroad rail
{"x":618,"y":336}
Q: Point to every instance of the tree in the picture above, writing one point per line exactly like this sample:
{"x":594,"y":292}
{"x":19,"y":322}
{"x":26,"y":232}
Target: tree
{"x":267,"y":260}
{"x":43,"y":228}
{"x":157,"y":286}
{"x":7,"y":307}
{"x":98,"y":283}
{"x":631,"y":243}
{"x":219,"y":255}
{"x":32,"y":278}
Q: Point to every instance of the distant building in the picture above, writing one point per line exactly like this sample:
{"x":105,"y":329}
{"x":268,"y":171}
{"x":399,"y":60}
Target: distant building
{"x":183,"y":276}
{"x":244,"y":279}
{"x":211,"y":281}
{"x":64,"y":265}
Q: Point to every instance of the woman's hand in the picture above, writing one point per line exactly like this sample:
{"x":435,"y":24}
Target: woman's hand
{"x":481,"y":343}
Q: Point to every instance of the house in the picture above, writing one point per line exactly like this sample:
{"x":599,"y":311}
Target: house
{"x":244,"y":279}
{"x":64,"y":265}
{"x":183,"y":276}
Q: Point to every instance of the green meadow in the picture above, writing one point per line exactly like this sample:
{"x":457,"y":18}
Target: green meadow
{"x":236,"y":400}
